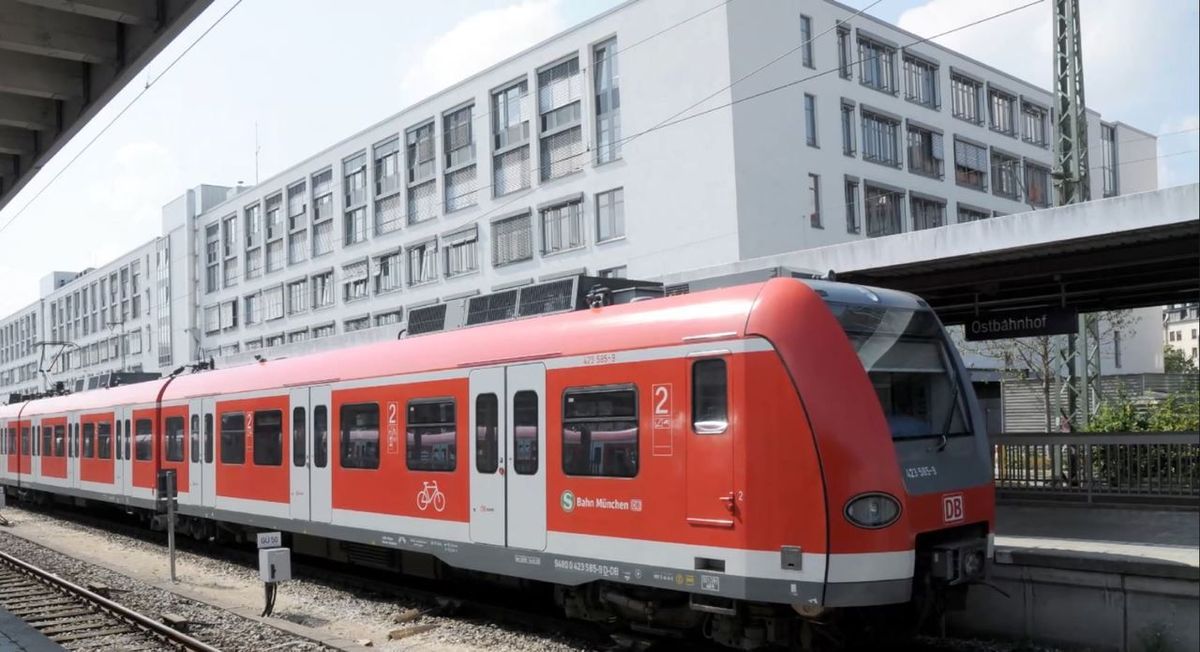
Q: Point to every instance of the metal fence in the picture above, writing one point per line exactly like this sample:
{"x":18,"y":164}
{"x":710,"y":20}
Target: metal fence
{"x":1157,"y":468}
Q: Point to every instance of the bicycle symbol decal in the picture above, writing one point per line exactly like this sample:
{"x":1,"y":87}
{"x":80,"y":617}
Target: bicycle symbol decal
{"x":431,"y":495}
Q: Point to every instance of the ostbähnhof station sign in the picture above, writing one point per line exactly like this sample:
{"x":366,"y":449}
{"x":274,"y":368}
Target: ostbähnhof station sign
{"x":1021,"y":323}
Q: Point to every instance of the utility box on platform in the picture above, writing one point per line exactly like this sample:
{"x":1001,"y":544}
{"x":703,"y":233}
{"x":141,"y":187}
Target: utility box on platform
{"x":275,"y":565}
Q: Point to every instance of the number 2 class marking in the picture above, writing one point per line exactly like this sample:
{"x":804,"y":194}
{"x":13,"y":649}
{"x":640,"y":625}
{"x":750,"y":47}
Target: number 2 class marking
{"x":662,"y":398}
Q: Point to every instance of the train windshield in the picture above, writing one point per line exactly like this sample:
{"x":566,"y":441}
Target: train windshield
{"x":904,"y":353}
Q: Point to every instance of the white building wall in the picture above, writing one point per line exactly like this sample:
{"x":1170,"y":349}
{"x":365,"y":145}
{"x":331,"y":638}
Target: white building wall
{"x":1181,"y":329}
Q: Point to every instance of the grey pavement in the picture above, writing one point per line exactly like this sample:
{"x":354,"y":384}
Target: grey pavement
{"x":17,"y":636}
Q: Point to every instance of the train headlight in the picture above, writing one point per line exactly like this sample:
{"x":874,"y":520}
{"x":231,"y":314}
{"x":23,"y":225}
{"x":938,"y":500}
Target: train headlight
{"x":872,"y":510}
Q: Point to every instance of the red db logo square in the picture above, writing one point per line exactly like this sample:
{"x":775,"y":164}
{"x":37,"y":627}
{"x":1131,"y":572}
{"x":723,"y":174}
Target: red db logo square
{"x":952,"y":508}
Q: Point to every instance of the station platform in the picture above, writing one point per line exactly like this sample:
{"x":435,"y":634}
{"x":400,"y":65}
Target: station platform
{"x":17,"y":636}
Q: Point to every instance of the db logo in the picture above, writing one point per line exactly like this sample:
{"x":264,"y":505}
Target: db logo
{"x":952,"y":508}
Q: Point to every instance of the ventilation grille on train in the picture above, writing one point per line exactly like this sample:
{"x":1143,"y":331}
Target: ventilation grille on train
{"x":429,"y":319}
{"x":677,"y":289}
{"x":554,"y":296}
{"x":492,"y":307}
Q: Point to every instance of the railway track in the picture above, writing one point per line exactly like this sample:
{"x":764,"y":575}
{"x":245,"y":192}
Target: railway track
{"x":79,"y":619}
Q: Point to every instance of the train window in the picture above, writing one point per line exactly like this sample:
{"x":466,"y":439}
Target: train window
{"x":432,"y":436}
{"x":89,"y":440}
{"x":175,"y":428}
{"x":298,"y":436}
{"x":233,"y":438}
{"x":268,"y":438}
{"x":25,"y":440}
{"x":47,"y":441}
{"x":525,"y":432}
{"x":320,"y":436}
{"x":360,"y":436}
{"x":128,"y":452}
{"x":710,"y":397}
{"x":208,"y":439}
{"x":104,"y":440}
{"x":60,"y":440}
{"x":73,"y":448}
{"x":143,"y":448}
{"x":600,"y":432}
{"x":195,"y":438}
{"x":487,"y":436}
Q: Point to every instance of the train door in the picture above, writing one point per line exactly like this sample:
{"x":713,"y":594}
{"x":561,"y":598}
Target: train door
{"x":195,"y":451}
{"x":208,"y":467}
{"x":710,"y":495}
{"x":320,"y":474}
{"x":525,"y":420}
{"x":120,"y":470}
{"x":74,"y":450}
{"x":299,"y":464}
{"x":487,"y":456}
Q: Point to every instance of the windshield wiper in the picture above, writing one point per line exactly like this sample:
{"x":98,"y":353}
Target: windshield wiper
{"x":945,"y":436}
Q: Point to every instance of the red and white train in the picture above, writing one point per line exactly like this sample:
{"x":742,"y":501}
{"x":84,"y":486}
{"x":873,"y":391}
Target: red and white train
{"x":744,"y":458}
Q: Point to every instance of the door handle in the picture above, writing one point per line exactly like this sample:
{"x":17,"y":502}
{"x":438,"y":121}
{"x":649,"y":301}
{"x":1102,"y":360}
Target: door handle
{"x":728,"y":499}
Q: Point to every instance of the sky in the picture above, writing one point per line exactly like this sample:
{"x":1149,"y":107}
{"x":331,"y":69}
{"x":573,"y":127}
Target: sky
{"x":305,"y":74}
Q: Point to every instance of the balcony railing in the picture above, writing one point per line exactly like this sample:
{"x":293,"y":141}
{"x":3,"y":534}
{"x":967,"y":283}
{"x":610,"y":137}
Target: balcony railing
{"x":1160,"y":468}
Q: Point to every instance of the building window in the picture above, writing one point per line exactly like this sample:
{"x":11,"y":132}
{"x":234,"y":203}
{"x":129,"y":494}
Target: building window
{"x":212,"y":258}
{"x":510,"y":125}
{"x":927,"y":213}
{"x":422,"y":202}
{"x":389,"y":214}
{"x":460,"y":189}
{"x":1117,"y":349}
{"x":852,"y":216}
{"x":297,"y":223}
{"x":1005,"y":171}
{"x":1033,"y":124}
{"x":562,"y":227}
{"x":432,"y":438}
{"x":921,"y":79}
{"x":970,"y":165}
{"x":806,"y":38}
{"x":614,"y":272}
{"x":253,"y":220}
{"x":849,"y":146}
{"x":297,"y":336}
{"x":275,"y":340}
{"x":254,"y":263}
{"x":511,"y":171}
{"x":877,"y":65}
{"x":323,"y":238}
{"x":322,"y":183}
{"x":512,"y":240}
{"x":354,"y":281}
{"x":600,"y":432}
{"x":387,"y":167}
{"x":925,"y":152}
{"x":966,"y":214}
{"x":608,"y":101}
{"x":879,"y":139}
{"x":323,"y":289}
{"x":356,"y":324}
{"x":560,"y":95}
{"x":325,"y":330}
{"x":275,"y":256}
{"x":273,"y":302}
{"x":420,"y":154}
{"x":389,"y":318}
{"x":422,"y":263}
{"x":610,"y":215}
{"x":810,"y":120}
{"x":462,"y":255}
{"x":460,"y":159}
{"x":1108,"y":152}
{"x":212,"y":319}
{"x":387,"y":273}
{"x":885,"y":211}
{"x":297,"y":296}
{"x":964,"y":98}
{"x":844,"y":56}
{"x":1037,"y":184}
{"x":360,"y":436}
{"x":356,"y":226}
{"x":1001,"y":110}
{"x":814,"y":195}
{"x":252,"y":311}
{"x":274,"y":206}
{"x":229,"y":314}
{"x":355,"y":171}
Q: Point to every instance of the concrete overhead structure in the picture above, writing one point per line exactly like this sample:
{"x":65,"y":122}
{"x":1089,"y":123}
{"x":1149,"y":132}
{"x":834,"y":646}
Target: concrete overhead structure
{"x":61,"y":61}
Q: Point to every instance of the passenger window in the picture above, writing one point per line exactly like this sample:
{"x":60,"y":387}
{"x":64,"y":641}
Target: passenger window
{"x":47,"y":440}
{"x":298,"y":437}
{"x":174,"y":439}
{"x":208,"y":439}
{"x":128,"y":430}
{"x":104,"y":440}
{"x":233,"y":438}
{"x":525,"y":427}
{"x":432,"y":436}
{"x":320,"y":436}
{"x":89,"y":440}
{"x":25,"y":441}
{"x":600,"y":432}
{"x":143,"y":448}
{"x":487,"y":438}
{"x":710,"y":402}
{"x":360,"y":436}
{"x":195,"y":438}
{"x":268,"y":438}
{"x":60,"y":440}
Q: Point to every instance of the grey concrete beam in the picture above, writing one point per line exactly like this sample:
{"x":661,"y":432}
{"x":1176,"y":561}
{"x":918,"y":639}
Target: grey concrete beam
{"x":29,"y":74}
{"x":15,"y":141}
{"x":131,"y":12}
{"x":36,"y":30}
{"x":27,"y":113}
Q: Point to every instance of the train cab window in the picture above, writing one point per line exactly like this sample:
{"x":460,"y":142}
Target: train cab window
{"x":60,"y":440}
{"x":175,"y":427}
{"x":268,"y":438}
{"x":320,"y":436}
{"x":233,"y":438}
{"x":104,"y":440}
{"x":143,"y":445}
{"x":298,"y":437}
{"x":487,"y":433}
{"x":600,"y":432}
{"x":195,"y":439}
{"x":89,"y":440}
{"x":208,"y":439}
{"x":525,"y":432}
{"x":128,"y":452}
{"x":710,"y":397}
{"x":432,"y":436}
{"x":359,"y":447}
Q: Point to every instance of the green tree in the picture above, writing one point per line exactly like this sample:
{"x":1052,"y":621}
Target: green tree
{"x":1174,"y":362}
